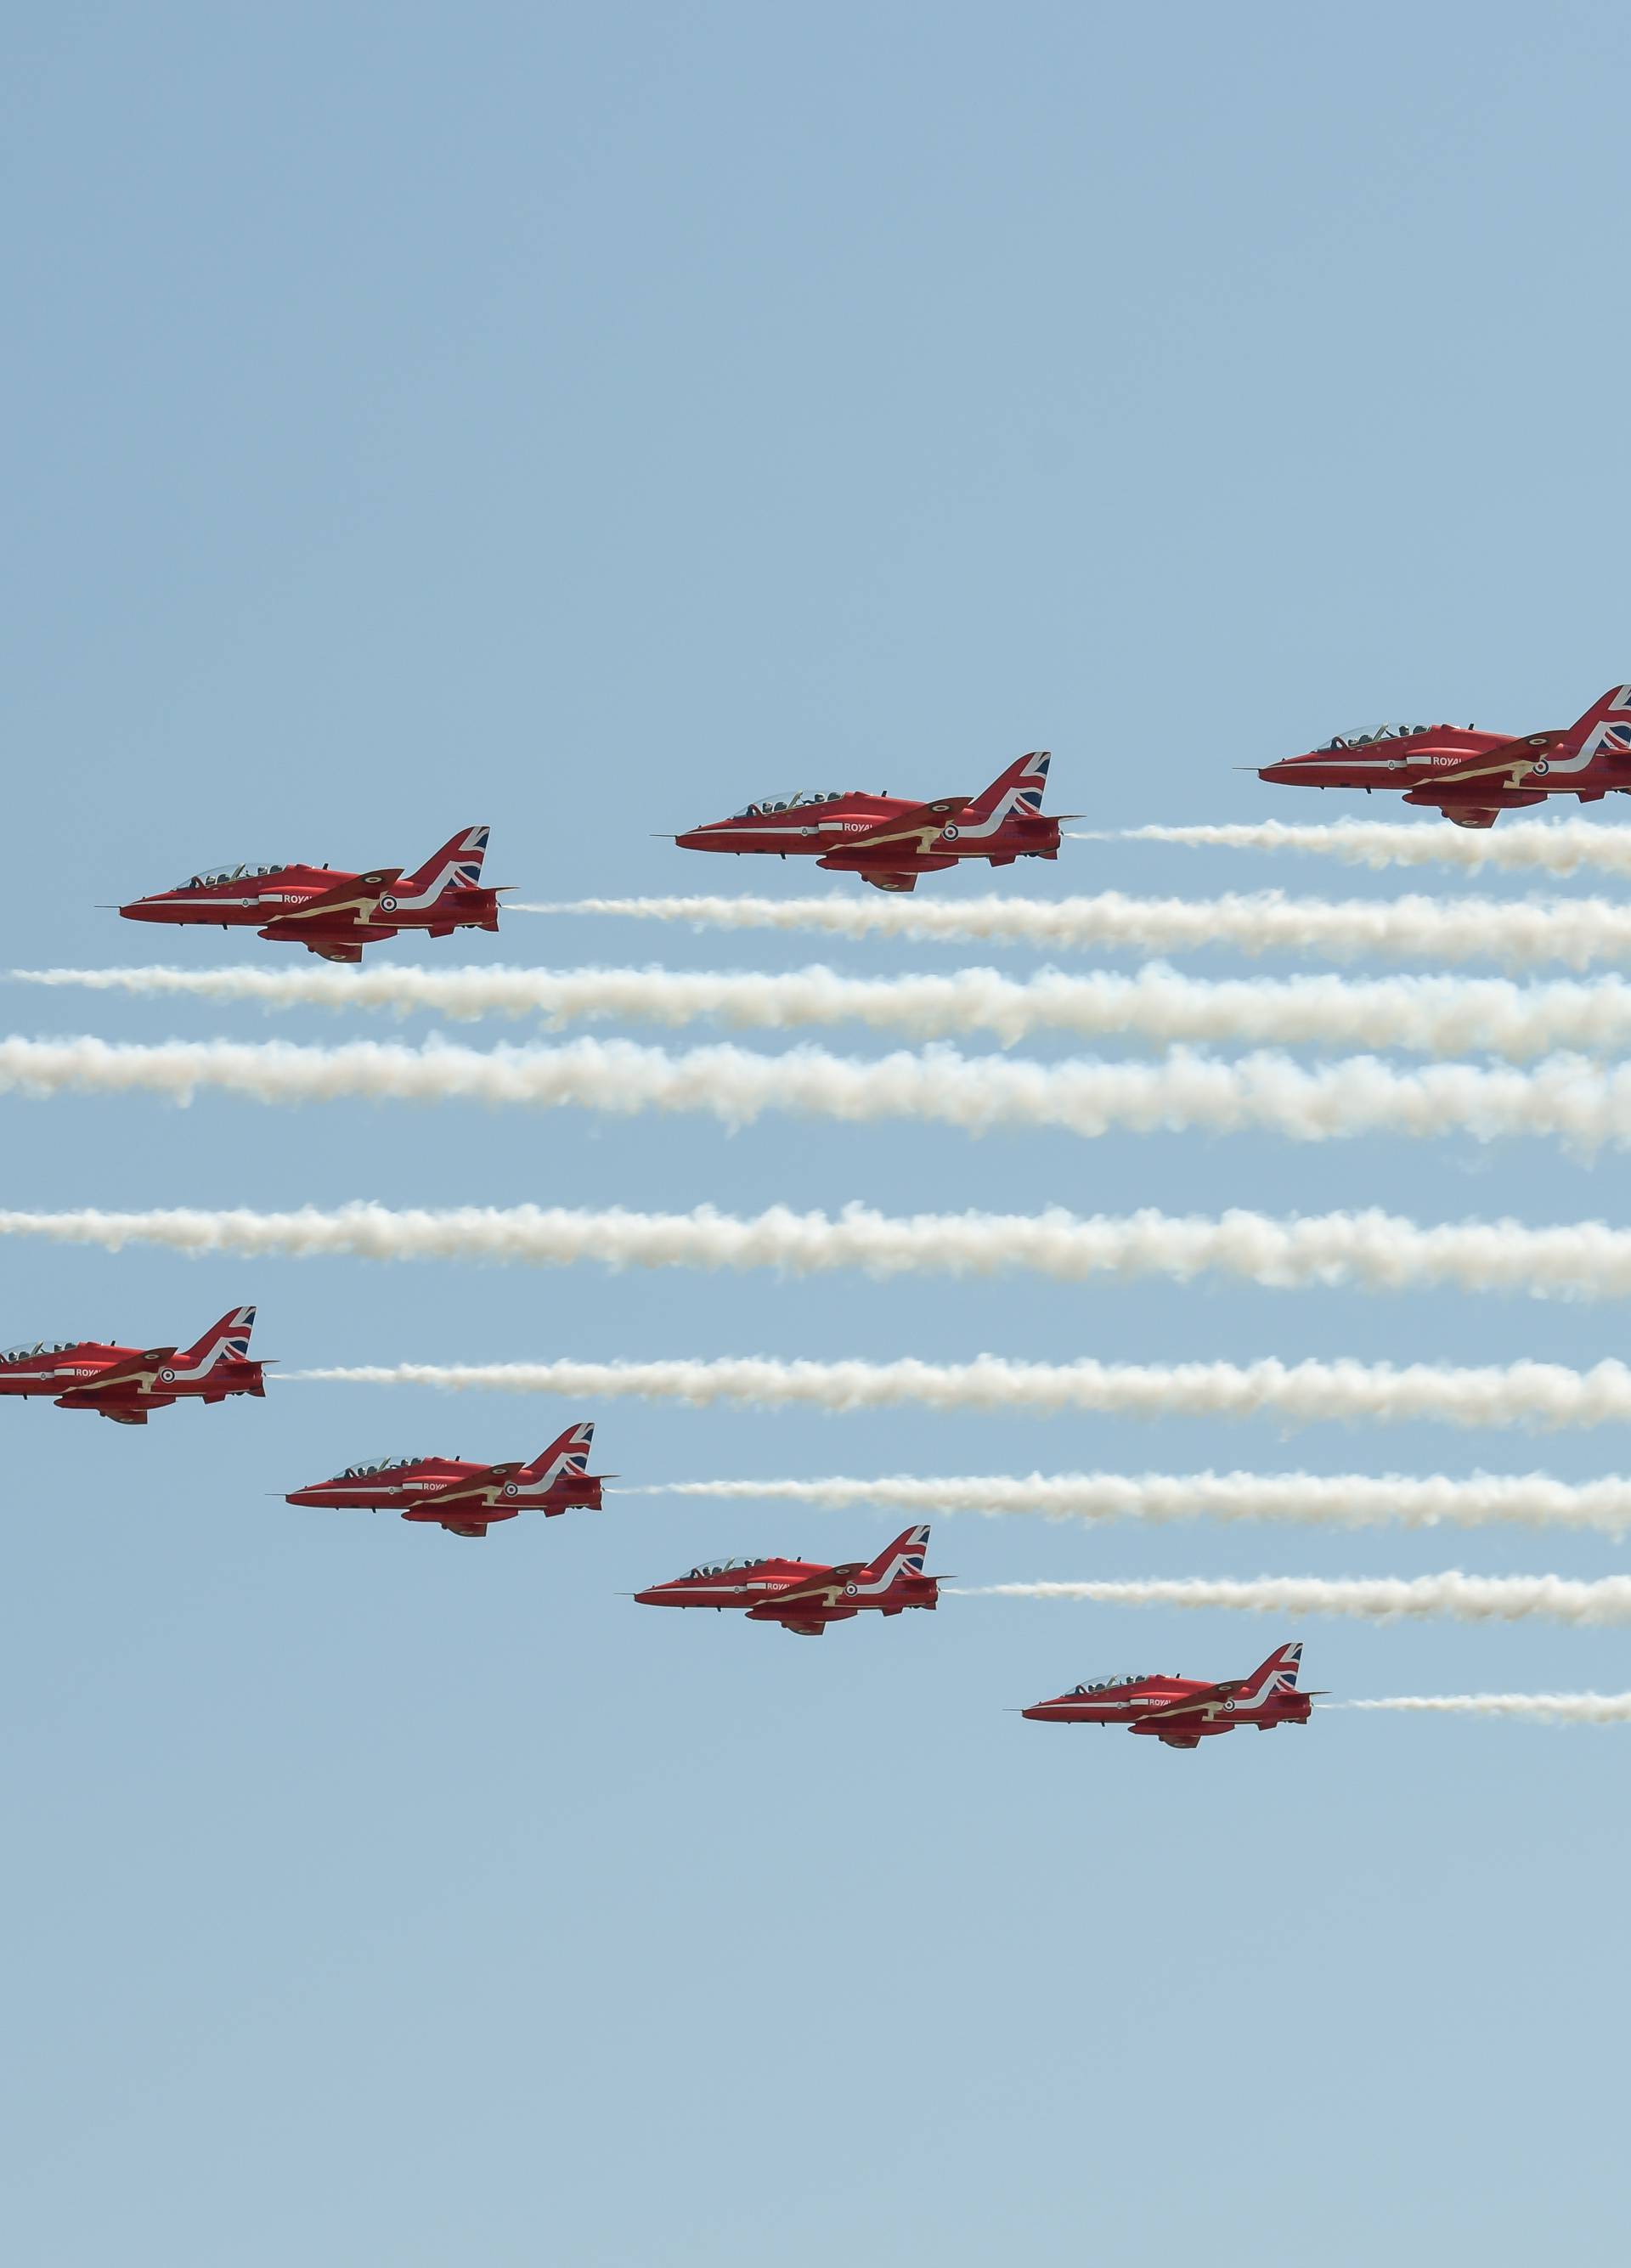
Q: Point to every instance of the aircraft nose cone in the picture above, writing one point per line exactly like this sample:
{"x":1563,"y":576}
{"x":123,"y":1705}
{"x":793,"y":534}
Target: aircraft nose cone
{"x":1038,"y":1710}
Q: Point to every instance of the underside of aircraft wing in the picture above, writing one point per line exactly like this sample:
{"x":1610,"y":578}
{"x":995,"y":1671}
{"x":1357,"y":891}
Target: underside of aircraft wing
{"x":1462,"y":815}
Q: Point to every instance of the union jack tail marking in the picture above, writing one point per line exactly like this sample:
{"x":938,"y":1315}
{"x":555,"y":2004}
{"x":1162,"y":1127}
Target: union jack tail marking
{"x":1018,"y":791}
{"x":1277,"y":1674}
{"x":457,"y":866}
{"x":901,"y":1561}
{"x":566,"y":1456}
{"x":228,"y":1341}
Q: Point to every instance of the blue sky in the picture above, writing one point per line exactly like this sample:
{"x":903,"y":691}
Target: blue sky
{"x":580,"y":422}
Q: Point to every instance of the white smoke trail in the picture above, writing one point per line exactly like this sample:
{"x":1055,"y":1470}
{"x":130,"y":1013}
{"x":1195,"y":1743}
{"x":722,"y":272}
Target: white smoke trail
{"x":1534,"y":846}
{"x":1305,"y":1393}
{"x":1575,"y":932}
{"x":1463,"y":1598}
{"x":1373,"y":1251}
{"x":1296,"y":1499}
{"x":1429,"y":1015}
{"x":1565,"y":1097}
{"x":1541,"y":1708}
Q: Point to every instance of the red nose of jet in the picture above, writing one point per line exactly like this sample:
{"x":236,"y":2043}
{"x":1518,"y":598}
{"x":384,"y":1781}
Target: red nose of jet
{"x":659,"y":1595}
{"x":139,"y":910}
{"x":319,"y":1499}
{"x":1295,"y":769}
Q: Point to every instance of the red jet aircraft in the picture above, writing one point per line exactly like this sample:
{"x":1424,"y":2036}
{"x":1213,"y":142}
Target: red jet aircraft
{"x":1181,"y":1712}
{"x":124,"y":1383}
{"x":1473,"y":777}
{"x":802,"y":1595}
{"x":331,"y":913}
{"x":889,"y":841}
{"x":466,"y":1499}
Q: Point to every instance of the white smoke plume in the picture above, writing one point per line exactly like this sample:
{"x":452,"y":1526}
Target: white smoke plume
{"x":1564,"y":1097}
{"x":1461,"y":1598}
{"x":1540,"y":1394}
{"x":1427,"y":1015}
{"x":1295,"y":1499}
{"x":1554,"y":847}
{"x":1373,"y":1251}
{"x":1539,"y":1708}
{"x":1574,"y":931}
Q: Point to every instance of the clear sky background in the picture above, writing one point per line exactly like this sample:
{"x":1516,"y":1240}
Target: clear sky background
{"x":581,"y":421}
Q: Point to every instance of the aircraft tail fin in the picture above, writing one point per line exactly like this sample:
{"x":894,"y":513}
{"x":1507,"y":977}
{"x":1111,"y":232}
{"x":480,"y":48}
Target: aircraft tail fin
{"x":228,"y":1341}
{"x":1016,"y":792}
{"x":457,"y":866}
{"x":1277,"y":1674}
{"x":899,"y":1561}
{"x":565,"y":1460}
{"x":1604,"y":729}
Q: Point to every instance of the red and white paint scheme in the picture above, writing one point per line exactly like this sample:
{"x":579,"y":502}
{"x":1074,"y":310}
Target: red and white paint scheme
{"x":466,"y":1499}
{"x":331,"y":913}
{"x":1473,"y":777}
{"x":124,"y":1383}
{"x":1181,"y":1712}
{"x":802,"y":1595}
{"x":888,"y":841}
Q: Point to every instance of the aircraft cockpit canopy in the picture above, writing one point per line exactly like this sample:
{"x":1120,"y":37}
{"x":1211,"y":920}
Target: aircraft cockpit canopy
{"x":212,"y":876}
{"x":39,"y":1346}
{"x":767,"y":804}
{"x":1132,"y":1677}
{"x":726,"y":1566}
{"x":1377,"y":732}
{"x":380,"y":1465}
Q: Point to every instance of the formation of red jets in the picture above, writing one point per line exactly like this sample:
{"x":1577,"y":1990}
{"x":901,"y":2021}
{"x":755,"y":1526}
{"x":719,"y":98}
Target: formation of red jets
{"x":805,"y":1596}
{"x":1469,"y":776}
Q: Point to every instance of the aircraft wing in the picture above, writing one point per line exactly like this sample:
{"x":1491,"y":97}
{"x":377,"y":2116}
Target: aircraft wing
{"x":138,"y":1370}
{"x":1517,"y":759}
{"x":360,"y":896}
{"x":1192,"y":1704}
{"x":919,"y":825}
{"x":821,"y":1590}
